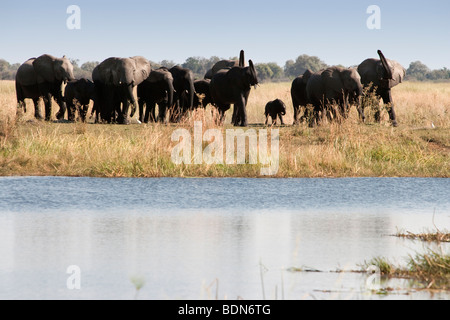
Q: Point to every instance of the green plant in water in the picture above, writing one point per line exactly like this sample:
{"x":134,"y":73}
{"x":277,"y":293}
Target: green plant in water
{"x":138,"y":282}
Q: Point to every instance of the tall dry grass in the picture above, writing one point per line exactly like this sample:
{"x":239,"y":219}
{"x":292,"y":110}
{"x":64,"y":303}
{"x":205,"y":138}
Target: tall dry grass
{"x":350,"y":148}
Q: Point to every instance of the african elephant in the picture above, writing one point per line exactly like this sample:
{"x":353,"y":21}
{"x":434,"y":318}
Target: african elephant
{"x":274,"y":109}
{"x":115,"y":79}
{"x":298,"y":94}
{"x":77,"y":96}
{"x":334,"y":85}
{"x":43,"y":77}
{"x":233,"y":87}
{"x":183,"y":83}
{"x":224,"y":65}
{"x":156,"y":89}
{"x":383,"y":74}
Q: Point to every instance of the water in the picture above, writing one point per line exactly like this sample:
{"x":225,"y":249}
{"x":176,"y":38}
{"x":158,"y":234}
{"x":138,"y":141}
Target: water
{"x":210,"y":238}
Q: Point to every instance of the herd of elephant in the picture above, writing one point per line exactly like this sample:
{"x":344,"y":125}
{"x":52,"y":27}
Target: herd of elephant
{"x":176,"y":92}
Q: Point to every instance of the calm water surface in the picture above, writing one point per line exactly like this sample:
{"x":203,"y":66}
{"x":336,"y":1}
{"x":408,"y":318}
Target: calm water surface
{"x":195,"y":238}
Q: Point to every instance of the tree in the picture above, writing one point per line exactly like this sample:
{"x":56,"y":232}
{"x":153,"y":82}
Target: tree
{"x":301,"y":64}
{"x":268,"y":71}
{"x":417,"y":70}
{"x":264,"y":72}
{"x":89,"y":66}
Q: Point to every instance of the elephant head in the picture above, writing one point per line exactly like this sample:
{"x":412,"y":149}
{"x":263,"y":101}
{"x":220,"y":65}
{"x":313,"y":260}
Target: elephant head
{"x":164,"y":77}
{"x":120,"y":76}
{"x":341,"y":80}
{"x":382,"y":75}
{"x":51,"y":69}
{"x":183,"y":82}
{"x":122,"y":71}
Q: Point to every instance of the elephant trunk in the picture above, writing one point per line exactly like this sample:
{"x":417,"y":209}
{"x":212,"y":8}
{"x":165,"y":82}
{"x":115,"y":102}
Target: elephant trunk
{"x":387,"y":69}
{"x":170,"y":97}
{"x":191,"y":93}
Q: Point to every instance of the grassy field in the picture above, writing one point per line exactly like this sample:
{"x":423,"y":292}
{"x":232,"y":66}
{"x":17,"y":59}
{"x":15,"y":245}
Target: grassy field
{"x":419,"y":147}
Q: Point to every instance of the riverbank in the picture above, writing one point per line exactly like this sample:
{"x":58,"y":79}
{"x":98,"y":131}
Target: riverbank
{"x":419,"y":147}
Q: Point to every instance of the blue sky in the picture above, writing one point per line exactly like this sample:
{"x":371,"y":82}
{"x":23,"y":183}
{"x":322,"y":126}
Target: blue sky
{"x":268,"y":31}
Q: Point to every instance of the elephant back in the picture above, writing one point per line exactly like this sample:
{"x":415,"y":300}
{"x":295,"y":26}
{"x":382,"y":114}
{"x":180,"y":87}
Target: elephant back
{"x":26,"y":76}
{"x":107,"y":72}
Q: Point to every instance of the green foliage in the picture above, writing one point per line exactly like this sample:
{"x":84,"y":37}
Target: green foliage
{"x":269,"y":71}
{"x":296,"y":68}
{"x":8,"y":71}
{"x":420,"y":72}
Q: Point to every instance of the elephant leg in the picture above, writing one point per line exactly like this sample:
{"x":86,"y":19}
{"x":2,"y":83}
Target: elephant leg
{"x":57,"y":93}
{"x":162,"y":108}
{"x":71,"y":110}
{"x":387,"y":99}
{"x":83,"y":112}
{"x":150,"y":115}
{"x":127,"y":97}
{"x":267,"y":119}
{"x":132,"y":100}
{"x":281,"y":119}
{"x":48,"y":106}
{"x":142,"y":105}
{"x":22,"y":105}
{"x":37,"y":110}
{"x":296,"y":110}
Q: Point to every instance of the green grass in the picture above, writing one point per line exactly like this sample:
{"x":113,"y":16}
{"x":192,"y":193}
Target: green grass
{"x":431,"y":270}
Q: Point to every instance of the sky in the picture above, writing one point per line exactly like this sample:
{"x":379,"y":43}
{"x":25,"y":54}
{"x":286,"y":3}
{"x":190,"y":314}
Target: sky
{"x":268,"y":31}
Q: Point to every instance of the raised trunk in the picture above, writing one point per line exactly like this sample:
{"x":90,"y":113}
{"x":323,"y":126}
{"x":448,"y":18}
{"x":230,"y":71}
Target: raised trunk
{"x":386,"y":67}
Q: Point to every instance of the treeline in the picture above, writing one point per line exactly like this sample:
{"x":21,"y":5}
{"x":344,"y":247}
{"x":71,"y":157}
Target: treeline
{"x":266,"y":71}
{"x":420,"y":72}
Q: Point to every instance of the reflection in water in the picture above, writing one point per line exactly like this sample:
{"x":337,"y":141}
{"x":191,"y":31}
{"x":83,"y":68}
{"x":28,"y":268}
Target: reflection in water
{"x":182,"y":234}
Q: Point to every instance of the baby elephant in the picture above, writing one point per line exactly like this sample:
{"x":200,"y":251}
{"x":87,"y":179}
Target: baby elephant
{"x":77,"y":95}
{"x":275,"y":109}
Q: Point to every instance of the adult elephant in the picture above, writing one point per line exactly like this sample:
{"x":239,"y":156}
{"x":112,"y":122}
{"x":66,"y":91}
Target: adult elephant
{"x":334,"y":85}
{"x":115,"y":79}
{"x":299,"y":96}
{"x":43,"y":77}
{"x":233,"y":87}
{"x":381,"y":75}
{"x":156,"y":89}
{"x":183,"y":83}
{"x":224,"y":65}
{"x":77,"y":95}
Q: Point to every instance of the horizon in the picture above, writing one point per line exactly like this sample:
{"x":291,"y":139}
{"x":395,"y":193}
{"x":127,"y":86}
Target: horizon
{"x":268,"y":32}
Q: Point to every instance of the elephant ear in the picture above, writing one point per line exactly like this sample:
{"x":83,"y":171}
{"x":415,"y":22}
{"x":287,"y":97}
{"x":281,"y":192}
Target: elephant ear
{"x":398,"y":73}
{"x":142,"y":69}
{"x":254,"y":77}
{"x":332,"y":80}
{"x":306,"y":75}
{"x":44,"y":66}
